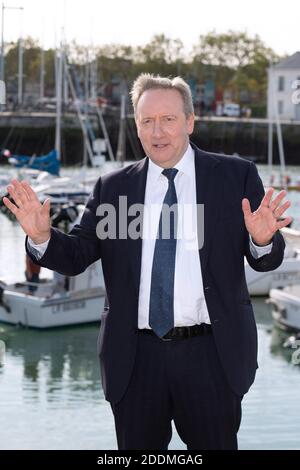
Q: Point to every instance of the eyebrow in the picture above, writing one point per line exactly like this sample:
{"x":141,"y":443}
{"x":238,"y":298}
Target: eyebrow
{"x":164,"y":115}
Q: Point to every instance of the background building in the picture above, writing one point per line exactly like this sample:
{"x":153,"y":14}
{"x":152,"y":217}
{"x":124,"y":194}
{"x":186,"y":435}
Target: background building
{"x":283,"y":81}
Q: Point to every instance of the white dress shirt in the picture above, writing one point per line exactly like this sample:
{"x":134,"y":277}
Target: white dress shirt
{"x":189,"y":302}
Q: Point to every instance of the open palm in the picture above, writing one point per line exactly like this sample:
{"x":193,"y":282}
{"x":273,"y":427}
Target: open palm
{"x":263,"y":223}
{"x":33,"y":216}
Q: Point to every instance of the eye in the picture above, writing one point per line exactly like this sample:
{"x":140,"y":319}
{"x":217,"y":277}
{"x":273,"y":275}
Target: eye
{"x":169,"y":119}
{"x":146,"y":121}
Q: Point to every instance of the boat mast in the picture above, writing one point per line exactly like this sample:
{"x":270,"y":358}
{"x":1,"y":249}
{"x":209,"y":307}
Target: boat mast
{"x":270,"y":128}
{"x":59,"y":77}
{"x":275,"y":113}
{"x":122,"y":132}
{"x":20,"y":63}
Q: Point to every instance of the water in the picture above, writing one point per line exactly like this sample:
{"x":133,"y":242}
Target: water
{"x":50,"y":391}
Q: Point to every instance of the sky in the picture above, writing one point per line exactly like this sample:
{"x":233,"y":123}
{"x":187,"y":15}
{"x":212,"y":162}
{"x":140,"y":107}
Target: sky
{"x":134,"y":22}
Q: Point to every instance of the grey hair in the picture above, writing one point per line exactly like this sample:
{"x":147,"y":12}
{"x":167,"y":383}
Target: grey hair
{"x":148,"y":81}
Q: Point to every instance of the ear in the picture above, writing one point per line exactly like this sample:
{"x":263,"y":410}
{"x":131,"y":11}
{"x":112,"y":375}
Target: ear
{"x":190,"y":123}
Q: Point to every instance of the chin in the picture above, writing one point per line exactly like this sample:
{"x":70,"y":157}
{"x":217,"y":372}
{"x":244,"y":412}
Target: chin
{"x":163,"y":157}
{"x":166,"y":162}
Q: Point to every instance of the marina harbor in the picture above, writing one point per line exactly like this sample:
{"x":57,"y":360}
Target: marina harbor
{"x":149,"y":230}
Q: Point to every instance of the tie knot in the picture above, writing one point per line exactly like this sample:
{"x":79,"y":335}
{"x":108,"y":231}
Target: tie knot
{"x":170,"y":173}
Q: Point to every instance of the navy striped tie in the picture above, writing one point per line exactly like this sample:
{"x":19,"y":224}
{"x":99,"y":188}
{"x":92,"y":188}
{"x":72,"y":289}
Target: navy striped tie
{"x":161,"y":308}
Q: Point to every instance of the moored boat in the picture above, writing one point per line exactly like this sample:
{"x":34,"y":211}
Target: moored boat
{"x":56,"y":302}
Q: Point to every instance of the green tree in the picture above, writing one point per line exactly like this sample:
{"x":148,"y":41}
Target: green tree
{"x":233,"y":60}
{"x":238,"y":62}
{"x":161,"y":55}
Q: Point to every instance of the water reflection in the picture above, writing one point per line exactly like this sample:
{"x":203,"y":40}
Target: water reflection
{"x":286,"y":345}
{"x":65,"y":356}
{"x":281,"y":342}
{"x":50,"y":391}
{"x":262,"y":311}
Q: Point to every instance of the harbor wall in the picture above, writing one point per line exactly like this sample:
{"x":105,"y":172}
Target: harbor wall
{"x":35,"y":134}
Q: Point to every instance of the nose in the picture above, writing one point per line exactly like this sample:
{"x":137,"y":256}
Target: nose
{"x":157,"y":129}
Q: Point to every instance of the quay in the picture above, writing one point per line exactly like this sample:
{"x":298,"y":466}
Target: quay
{"x":31,"y":133}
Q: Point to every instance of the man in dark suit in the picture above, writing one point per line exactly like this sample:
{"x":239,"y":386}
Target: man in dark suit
{"x":178,"y":338}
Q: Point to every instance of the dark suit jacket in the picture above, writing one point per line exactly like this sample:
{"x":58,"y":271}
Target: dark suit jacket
{"x":221,"y":183}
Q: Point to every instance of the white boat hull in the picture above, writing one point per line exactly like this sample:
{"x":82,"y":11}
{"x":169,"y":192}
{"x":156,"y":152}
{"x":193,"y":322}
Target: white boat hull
{"x":286,"y":307}
{"x":260,"y":283}
{"x":35,"y":312}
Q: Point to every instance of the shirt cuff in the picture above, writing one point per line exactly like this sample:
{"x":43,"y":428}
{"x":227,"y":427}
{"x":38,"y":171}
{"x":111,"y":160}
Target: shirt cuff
{"x":259,"y":251}
{"x":37,"y":250}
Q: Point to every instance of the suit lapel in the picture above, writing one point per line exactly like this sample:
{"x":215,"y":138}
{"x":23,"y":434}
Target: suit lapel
{"x":137,"y":177}
{"x":209,"y":187}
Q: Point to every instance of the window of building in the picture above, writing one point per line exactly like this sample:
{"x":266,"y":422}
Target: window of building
{"x":280,"y":107}
{"x":281,"y":83}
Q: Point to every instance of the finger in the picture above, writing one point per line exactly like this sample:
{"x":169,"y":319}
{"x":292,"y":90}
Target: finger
{"x":284,"y":222}
{"x":19,"y":187}
{"x":24,"y":188}
{"x":18,"y":192}
{"x":246,"y":207}
{"x":14,"y":209}
{"x":30,"y":192}
{"x":16,"y":184}
{"x":274,"y":204}
{"x":13,"y":193}
{"x":46,"y":206}
{"x":267,"y":197}
{"x":281,"y":209}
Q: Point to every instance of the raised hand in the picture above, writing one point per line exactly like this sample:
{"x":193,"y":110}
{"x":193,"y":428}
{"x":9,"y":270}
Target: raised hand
{"x":263,"y":223}
{"x":33,"y":216}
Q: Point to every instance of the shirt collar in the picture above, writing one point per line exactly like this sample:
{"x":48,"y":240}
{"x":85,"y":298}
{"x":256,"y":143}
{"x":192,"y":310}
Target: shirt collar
{"x":184,"y":166}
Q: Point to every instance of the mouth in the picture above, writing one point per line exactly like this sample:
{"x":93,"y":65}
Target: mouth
{"x":160,"y":146}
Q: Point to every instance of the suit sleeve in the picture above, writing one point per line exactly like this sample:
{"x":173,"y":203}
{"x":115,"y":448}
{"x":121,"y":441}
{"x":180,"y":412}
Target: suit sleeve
{"x":70,"y":254}
{"x":254,"y":191}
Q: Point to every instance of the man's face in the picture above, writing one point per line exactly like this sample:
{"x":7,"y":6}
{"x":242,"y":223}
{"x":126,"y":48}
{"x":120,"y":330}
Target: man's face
{"x":162,"y":126}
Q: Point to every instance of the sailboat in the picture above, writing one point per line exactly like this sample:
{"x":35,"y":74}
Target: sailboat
{"x":48,"y":162}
